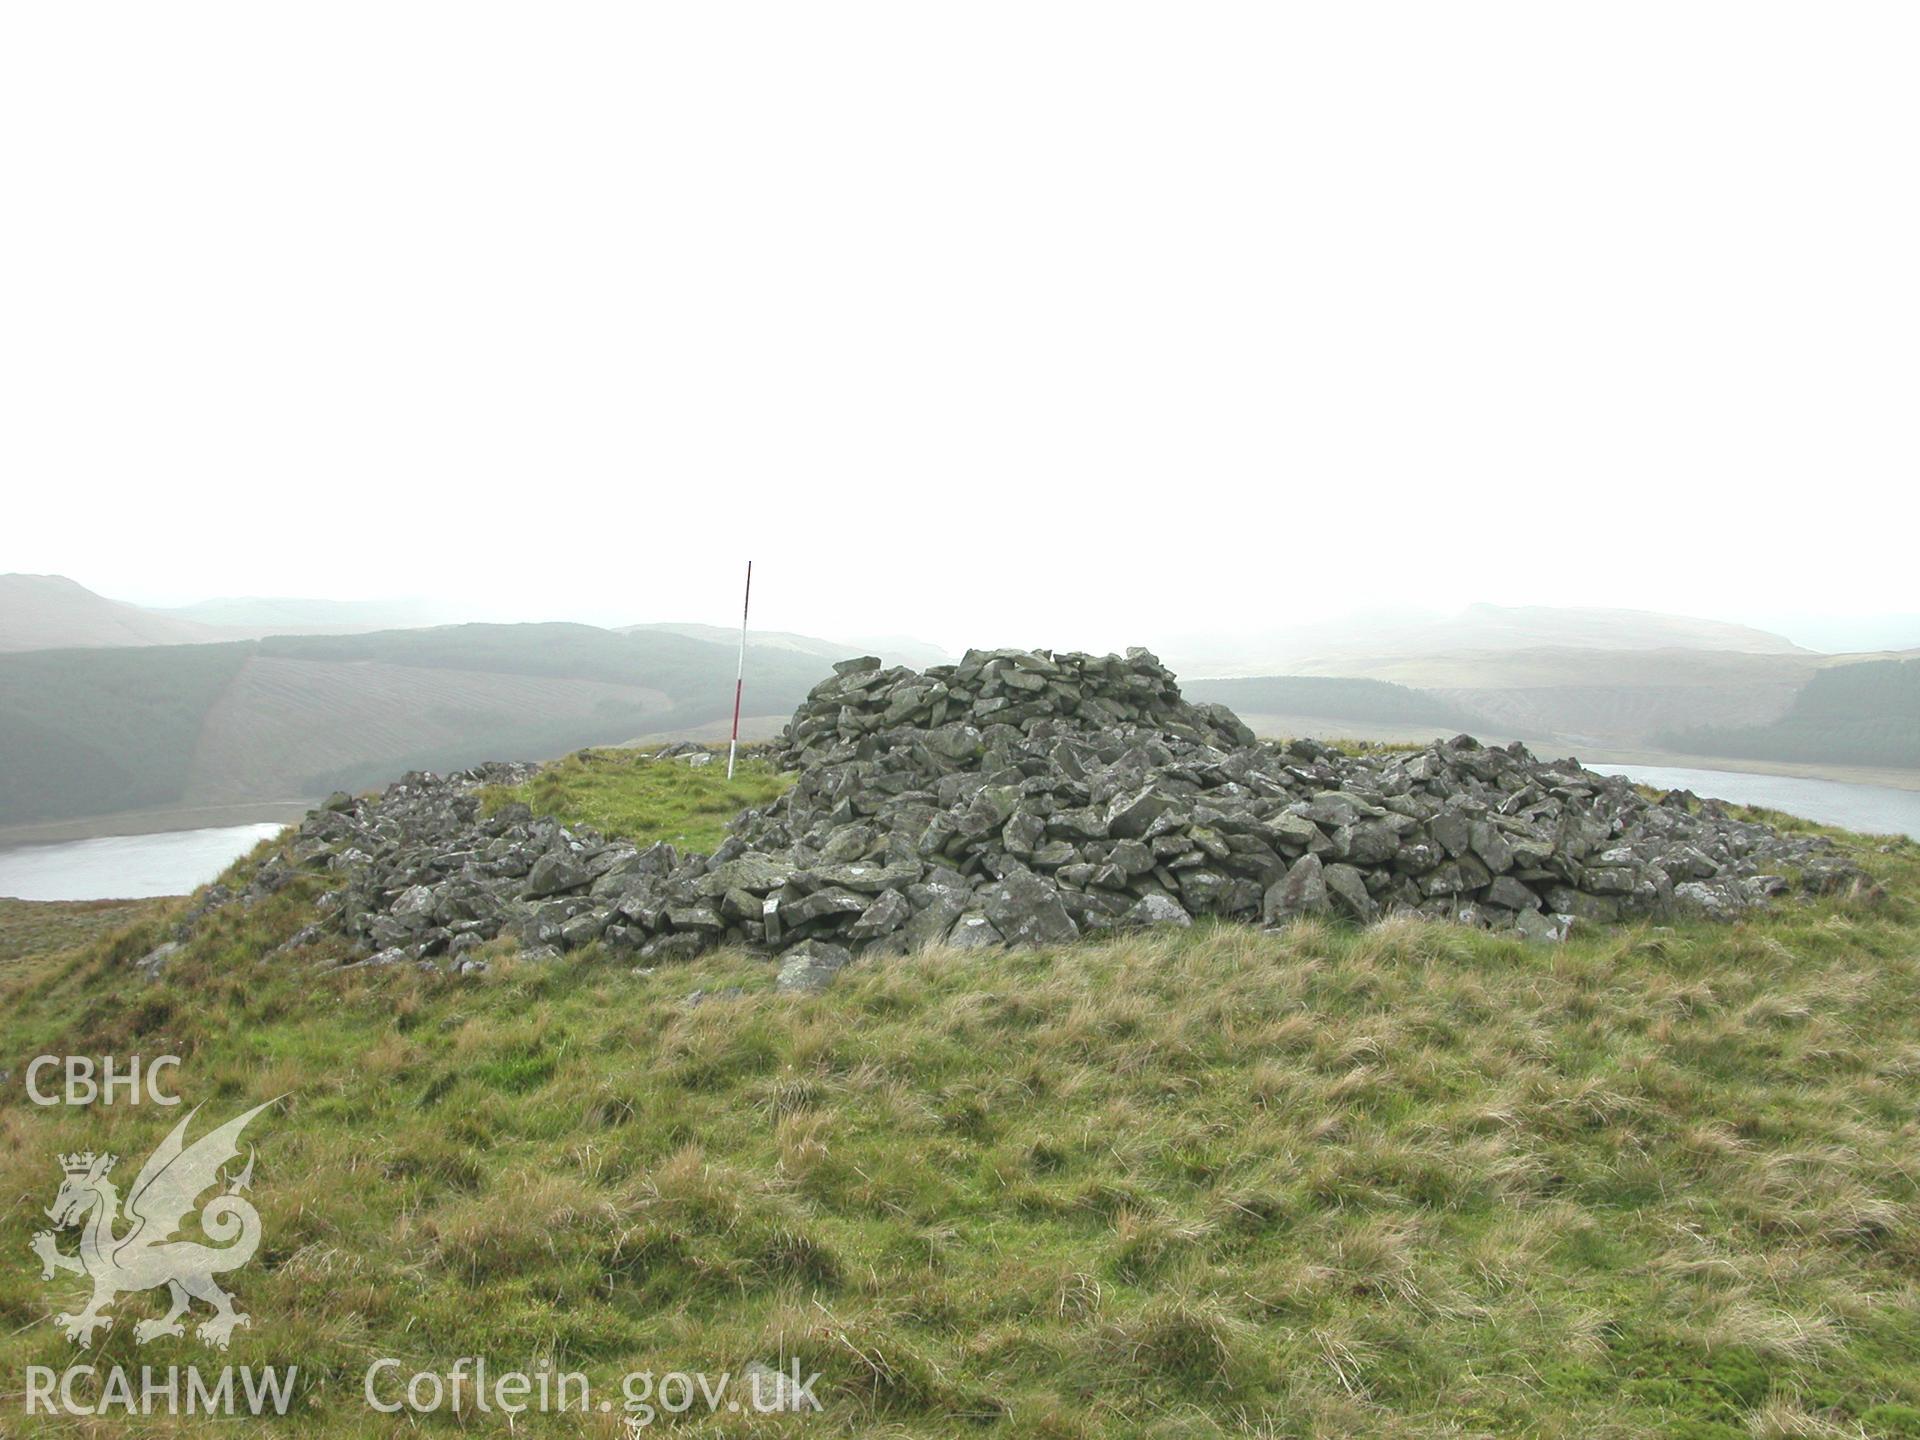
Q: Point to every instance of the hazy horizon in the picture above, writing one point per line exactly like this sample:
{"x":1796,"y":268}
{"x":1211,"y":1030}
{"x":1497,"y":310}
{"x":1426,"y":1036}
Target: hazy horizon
{"x":1832,"y":633}
{"x":1065,"y":325}
{"x":788,"y":599}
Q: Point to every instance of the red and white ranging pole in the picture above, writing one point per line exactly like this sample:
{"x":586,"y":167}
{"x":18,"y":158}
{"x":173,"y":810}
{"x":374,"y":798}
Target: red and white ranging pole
{"x":740,"y":673}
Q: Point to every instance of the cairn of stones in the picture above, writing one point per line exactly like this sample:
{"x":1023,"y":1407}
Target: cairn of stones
{"x":1030,"y":798}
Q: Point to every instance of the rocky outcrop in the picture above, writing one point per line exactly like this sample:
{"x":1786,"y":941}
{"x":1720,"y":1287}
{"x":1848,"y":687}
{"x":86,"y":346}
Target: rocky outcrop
{"x":1025,"y":798}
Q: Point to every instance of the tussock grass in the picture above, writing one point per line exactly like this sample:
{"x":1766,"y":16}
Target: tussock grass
{"x":1410,"y":1180}
{"x":29,"y":928}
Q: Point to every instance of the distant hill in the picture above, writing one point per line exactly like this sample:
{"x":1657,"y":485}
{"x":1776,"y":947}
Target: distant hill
{"x":894,"y":649}
{"x":42,"y":612}
{"x":52,"y":612}
{"x":1361,"y":645}
{"x":1576,"y":676}
{"x":1848,"y":634}
{"x":141,"y":710}
{"x":1532,"y":627}
{"x":258,"y":615}
{"x":1864,"y":714}
{"x":1364,"y":701}
{"x":89,"y":732}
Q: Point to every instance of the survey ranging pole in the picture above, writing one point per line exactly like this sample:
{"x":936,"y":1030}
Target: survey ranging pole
{"x":740,"y":672}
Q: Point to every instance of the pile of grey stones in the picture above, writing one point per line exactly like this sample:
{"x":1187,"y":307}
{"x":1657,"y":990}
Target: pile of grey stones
{"x":1029,"y":798}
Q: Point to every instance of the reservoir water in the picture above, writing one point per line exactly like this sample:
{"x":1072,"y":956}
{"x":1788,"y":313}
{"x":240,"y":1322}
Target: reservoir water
{"x":1874,"y":809}
{"x":125,"y":867}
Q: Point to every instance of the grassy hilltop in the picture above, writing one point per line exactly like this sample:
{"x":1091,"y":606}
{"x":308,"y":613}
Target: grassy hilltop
{"x":1409,"y":1180}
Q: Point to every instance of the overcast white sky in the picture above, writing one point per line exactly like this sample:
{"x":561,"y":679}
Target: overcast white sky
{"x":1059,"y":324}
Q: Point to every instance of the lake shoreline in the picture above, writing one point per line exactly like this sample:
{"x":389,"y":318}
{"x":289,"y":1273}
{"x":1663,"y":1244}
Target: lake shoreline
{"x":154,"y":822}
{"x":1888,"y":777}
{"x":127,"y":867}
{"x":1861,"y":809}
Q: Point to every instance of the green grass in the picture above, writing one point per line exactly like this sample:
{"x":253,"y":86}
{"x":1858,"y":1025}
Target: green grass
{"x":1411,"y":1180}
{"x":625,"y":792}
{"x":29,"y":929}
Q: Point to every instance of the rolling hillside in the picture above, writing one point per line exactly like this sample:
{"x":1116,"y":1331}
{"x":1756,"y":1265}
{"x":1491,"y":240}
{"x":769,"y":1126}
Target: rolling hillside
{"x":93,"y":732}
{"x":52,"y":612}
{"x":1619,"y":678}
{"x":1373,"y":702}
{"x":1363,"y":644}
{"x":242,"y":617}
{"x":1406,"y":1181}
{"x":148,"y":711}
{"x":42,"y":612}
{"x":894,"y":649}
{"x":1865,"y":714}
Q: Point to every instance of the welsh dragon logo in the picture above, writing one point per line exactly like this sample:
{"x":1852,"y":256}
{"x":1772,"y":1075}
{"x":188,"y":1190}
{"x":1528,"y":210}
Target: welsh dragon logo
{"x":148,"y":1255}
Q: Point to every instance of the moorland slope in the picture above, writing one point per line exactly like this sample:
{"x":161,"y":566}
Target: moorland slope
{"x":1387,"y":1181}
